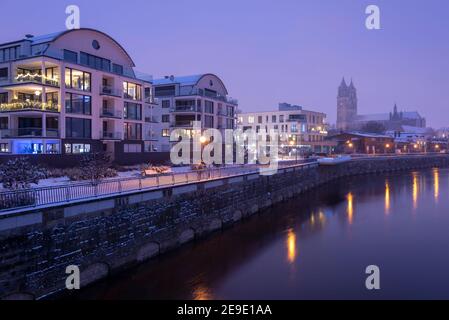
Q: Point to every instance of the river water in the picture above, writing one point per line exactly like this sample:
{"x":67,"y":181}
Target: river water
{"x":316,"y":246}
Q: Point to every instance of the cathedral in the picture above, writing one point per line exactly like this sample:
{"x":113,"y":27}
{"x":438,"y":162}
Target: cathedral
{"x":348,"y":118}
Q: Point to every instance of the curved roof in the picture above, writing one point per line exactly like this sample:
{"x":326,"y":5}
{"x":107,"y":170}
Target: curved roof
{"x":187,"y":80}
{"x":55,"y":36}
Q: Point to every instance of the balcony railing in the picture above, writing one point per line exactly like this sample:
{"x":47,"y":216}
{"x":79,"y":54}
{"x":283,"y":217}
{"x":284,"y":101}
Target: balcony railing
{"x":131,"y":97}
{"x":111,"y":113}
{"x":191,"y":108}
{"x":30,"y":78}
{"x":18,"y":105}
{"x":151,"y":100}
{"x":182,"y":124}
{"x":151,"y":120}
{"x":110,"y":91}
{"x":111,"y":135}
{"x":28,"y":132}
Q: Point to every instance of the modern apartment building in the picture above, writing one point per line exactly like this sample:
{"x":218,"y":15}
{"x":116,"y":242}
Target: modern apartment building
{"x":298,"y":129}
{"x":74,"y":92}
{"x":202,"y":98}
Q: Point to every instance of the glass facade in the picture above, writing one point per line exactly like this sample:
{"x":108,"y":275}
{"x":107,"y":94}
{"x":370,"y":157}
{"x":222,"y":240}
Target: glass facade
{"x":78,"y":80}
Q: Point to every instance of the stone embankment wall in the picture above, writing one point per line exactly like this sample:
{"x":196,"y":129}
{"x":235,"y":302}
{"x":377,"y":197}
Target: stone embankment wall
{"x":110,"y":234}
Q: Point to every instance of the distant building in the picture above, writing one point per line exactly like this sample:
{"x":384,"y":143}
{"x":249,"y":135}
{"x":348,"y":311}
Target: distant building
{"x":298,"y":128}
{"x":363,"y":143}
{"x":349,"y":119}
{"x":346,"y":106}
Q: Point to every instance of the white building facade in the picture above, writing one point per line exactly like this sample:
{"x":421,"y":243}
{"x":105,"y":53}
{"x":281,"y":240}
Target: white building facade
{"x":298,"y":129}
{"x":74,"y":92}
{"x":199,"y":98}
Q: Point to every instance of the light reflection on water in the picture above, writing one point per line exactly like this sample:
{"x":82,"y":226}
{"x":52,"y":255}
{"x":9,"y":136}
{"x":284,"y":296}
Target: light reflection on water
{"x":303,"y":249}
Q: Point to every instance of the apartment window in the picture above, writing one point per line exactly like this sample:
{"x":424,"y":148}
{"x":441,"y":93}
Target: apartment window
{"x":133,"y":131}
{"x":76,"y":148}
{"x":3,"y":123}
{"x":78,"y":128}
{"x":208,"y":107}
{"x":8,"y":54}
{"x":273,"y":119}
{"x":132,"y":91}
{"x":293,"y":128}
{"x":281,"y":118}
{"x":230,"y":111}
{"x":132,"y":148}
{"x":165,"y":118}
{"x":3,"y":72}
{"x":4,"y":147}
{"x":229,"y":124}
{"x":116,"y":68}
{"x":78,"y":104}
{"x":133,"y":111}
{"x":165,"y":91}
{"x":165,"y":132}
{"x":52,"y":99}
{"x":79,"y":80}
{"x":259,"y":119}
{"x":165,"y":103}
{"x":209,"y":121}
{"x":70,"y":56}
{"x":95,"y":62}
{"x":250,"y":119}
{"x":52,"y":148}
{"x":4,"y":97}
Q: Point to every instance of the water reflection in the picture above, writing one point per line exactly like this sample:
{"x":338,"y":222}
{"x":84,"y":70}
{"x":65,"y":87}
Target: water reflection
{"x":291,"y":246}
{"x":350,"y":207}
{"x":436,"y":183}
{"x":387,"y":197}
{"x":415,"y":190}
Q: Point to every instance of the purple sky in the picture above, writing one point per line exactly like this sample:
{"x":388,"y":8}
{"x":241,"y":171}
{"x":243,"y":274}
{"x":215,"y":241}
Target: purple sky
{"x":272,"y":51}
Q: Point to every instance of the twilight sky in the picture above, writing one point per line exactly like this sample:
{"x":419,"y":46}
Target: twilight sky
{"x":269,"y":51}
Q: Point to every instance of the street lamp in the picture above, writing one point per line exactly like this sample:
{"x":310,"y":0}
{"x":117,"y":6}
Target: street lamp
{"x":292,"y":143}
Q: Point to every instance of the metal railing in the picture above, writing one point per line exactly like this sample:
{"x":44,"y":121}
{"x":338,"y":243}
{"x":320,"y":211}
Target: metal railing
{"x":17,"y":105}
{"x":110,"y":91}
{"x":111,"y":113}
{"x":34,"y":197}
{"x":111,"y":135}
{"x":28,"y":132}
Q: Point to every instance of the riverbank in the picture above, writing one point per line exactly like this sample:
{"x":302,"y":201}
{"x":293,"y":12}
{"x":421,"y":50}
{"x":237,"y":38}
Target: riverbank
{"x":109,"y":235}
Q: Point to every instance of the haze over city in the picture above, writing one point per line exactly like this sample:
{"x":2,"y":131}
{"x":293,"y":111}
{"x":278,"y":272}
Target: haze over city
{"x":271,"y":51}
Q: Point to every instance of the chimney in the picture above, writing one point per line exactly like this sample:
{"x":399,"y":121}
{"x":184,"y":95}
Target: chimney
{"x":29,"y":36}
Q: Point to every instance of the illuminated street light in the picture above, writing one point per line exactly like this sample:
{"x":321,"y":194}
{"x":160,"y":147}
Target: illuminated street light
{"x":203,"y":139}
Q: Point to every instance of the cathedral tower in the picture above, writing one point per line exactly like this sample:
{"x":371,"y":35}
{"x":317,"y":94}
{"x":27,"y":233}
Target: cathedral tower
{"x":346,"y":105}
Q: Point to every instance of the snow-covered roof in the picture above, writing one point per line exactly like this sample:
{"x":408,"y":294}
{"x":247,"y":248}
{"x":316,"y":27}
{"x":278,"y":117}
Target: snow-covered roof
{"x":182,"y":80}
{"x":44,"y":38}
{"x":410,"y":129}
{"x":143,"y":76}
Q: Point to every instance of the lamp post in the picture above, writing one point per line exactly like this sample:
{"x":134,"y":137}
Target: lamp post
{"x":292,"y":143}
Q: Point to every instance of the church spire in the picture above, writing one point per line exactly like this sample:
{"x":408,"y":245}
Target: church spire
{"x":343,"y":83}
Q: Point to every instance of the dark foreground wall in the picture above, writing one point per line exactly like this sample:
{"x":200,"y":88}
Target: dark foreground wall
{"x":110,"y":234}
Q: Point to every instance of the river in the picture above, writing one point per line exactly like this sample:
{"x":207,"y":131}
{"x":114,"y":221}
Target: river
{"x":316,"y":246}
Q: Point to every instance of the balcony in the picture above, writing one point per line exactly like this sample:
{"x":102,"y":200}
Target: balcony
{"x":151,"y":120}
{"x":105,"y":135}
{"x":110,"y":91}
{"x":191,"y":108}
{"x":17,"y":105}
{"x":111,"y":113}
{"x":29,"y":133}
{"x":30,"y":78}
{"x":151,"y":100}
{"x":182,"y":124}
{"x":131,"y":97}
